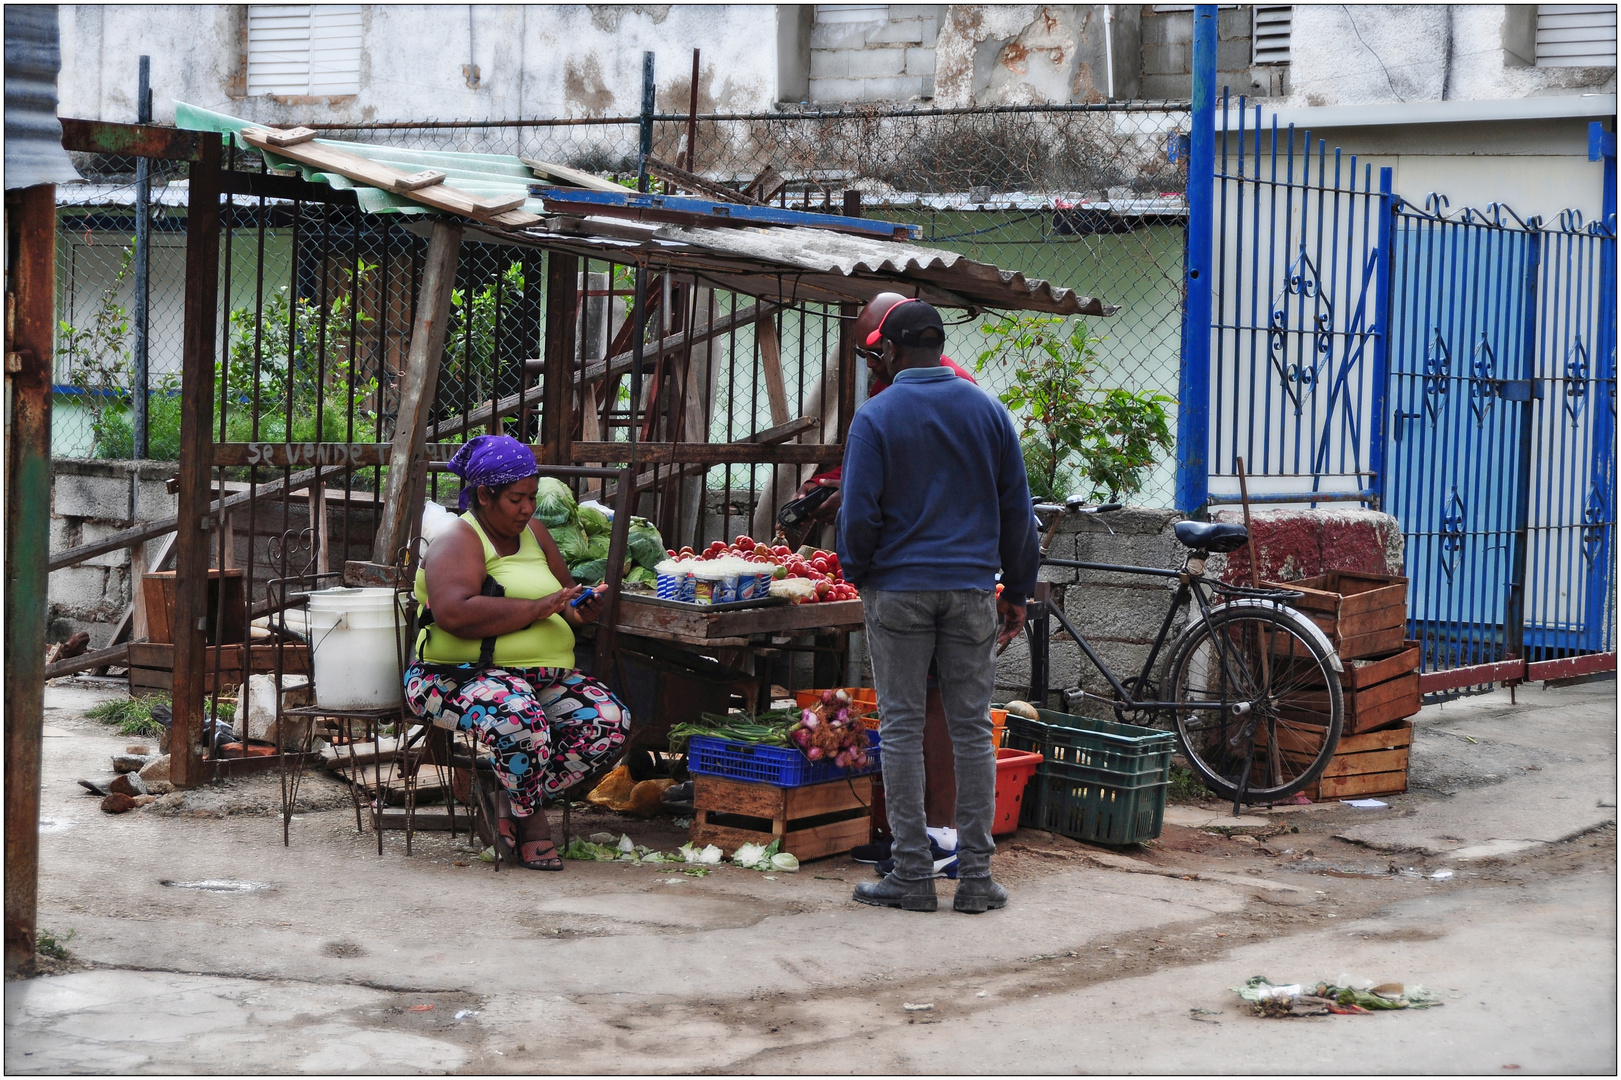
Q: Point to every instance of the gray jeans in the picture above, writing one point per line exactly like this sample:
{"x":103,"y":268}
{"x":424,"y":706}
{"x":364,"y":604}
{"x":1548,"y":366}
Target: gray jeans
{"x":905,"y":630}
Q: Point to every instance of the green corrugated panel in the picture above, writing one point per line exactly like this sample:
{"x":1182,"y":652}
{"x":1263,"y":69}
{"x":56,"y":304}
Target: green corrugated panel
{"x":483,"y":176}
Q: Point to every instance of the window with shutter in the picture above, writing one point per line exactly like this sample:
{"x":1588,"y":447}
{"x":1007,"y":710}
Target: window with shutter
{"x":1270,"y":33}
{"x":1575,"y":35}
{"x":300,"y":50}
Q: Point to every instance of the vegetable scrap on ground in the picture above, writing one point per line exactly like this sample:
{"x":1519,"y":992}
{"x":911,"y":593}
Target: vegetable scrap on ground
{"x":1324,"y":998}
{"x":603,"y":847}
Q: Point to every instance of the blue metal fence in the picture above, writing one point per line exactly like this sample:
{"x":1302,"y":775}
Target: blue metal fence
{"x":1456,"y":368}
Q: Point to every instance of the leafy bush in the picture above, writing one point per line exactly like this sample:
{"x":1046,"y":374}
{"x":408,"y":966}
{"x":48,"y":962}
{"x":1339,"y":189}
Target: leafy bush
{"x":1071,"y":426}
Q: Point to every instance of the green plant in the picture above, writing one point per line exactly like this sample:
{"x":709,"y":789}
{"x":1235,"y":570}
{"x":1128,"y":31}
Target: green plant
{"x":98,"y":358}
{"x":1069,"y":423}
{"x":133,"y":716}
{"x":48,"y":944}
{"x":1185,"y":786}
{"x":470,"y":333}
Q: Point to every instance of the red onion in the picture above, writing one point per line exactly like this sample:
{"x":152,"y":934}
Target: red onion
{"x":827,"y":697}
{"x":813,"y":753}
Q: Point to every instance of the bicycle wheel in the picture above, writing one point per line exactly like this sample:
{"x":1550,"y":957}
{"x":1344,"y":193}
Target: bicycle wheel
{"x":1266,"y":660}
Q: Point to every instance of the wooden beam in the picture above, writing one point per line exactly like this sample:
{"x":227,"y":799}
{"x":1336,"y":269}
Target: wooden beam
{"x":776,"y":392}
{"x":118,"y":654}
{"x":320,"y":155}
{"x":417,"y":387}
{"x":196,"y":459}
{"x":663,"y":453}
{"x":677,"y":175}
{"x":562,"y":174}
{"x":133,"y":140}
{"x":562,"y":320}
{"x":769,"y":437}
{"x":597,"y":370}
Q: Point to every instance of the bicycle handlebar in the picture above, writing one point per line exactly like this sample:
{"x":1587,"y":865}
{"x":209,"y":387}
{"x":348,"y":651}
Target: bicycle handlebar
{"x":1076,"y":508}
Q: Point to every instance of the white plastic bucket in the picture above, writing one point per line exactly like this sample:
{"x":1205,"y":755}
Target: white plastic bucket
{"x":354,"y":652}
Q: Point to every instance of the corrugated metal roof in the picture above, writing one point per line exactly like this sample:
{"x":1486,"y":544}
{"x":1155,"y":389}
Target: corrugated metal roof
{"x":779,"y":262}
{"x":34,"y":153}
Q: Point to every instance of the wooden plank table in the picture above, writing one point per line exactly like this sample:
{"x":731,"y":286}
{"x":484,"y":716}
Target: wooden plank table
{"x":738,"y":628}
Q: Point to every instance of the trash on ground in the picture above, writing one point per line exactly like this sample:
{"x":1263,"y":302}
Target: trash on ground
{"x":1441,"y":875}
{"x":219,"y":885}
{"x":420,"y":1008}
{"x":909,"y":1007}
{"x":1365,"y":804}
{"x":1321,"y":999}
{"x":463,"y":1014}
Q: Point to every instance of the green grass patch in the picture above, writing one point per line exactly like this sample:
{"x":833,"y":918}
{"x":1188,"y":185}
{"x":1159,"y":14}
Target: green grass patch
{"x":1185,"y":786}
{"x":133,"y":716}
{"x":48,"y":944}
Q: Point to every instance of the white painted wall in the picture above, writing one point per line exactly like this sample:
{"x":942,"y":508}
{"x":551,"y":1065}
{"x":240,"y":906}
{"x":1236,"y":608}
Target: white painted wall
{"x":533,"y":61}
{"x":1354,"y":54}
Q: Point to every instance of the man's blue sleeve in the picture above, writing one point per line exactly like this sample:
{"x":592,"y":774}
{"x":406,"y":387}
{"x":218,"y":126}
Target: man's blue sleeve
{"x":860,"y":517}
{"x":1019,"y":546}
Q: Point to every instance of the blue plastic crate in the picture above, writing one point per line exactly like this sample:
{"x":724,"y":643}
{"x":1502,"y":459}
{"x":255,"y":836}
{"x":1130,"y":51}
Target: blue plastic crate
{"x":776,"y":765}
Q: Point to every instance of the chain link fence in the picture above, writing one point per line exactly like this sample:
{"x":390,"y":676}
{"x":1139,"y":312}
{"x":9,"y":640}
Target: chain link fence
{"x":1087,"y":197}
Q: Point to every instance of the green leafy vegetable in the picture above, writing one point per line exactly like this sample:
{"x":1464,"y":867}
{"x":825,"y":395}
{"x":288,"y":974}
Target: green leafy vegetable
{"x":593,"y":521}
{"x":571,"y":543}
{"x":554,"y":502}
{"x":590,"y":573}
{"x":646,"y":545}
{"x":597,"y":546}
{"x":642,"y":575}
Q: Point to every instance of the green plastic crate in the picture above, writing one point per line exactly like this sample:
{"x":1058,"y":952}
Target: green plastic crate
{"x":1099,"y":781}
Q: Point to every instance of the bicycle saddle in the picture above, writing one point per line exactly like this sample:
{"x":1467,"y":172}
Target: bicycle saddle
{"x":1219,"y":536}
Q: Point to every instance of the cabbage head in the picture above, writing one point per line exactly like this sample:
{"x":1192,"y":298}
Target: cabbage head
{"x":594,"y":522}
{"x":572,"y":543}
{"x":554,"y":502}
{"x":646,"y":545}
{"x":598,"y":547}
{"x":590,"y":573}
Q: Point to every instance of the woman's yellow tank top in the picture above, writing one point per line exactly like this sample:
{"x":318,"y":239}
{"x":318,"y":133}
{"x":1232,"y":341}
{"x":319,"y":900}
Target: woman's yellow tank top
{"x":526,"y":575}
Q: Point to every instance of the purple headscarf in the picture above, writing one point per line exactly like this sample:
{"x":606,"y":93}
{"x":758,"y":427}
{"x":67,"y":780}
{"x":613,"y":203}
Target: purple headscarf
{"x":490,"y":460}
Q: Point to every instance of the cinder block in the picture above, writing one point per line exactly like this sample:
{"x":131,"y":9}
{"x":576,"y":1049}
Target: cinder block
{"x":1118,"y":612}
{"x":1233,"y":55}
{"x":931,"y":31}
{"x":920,"y":62}
{"x":1171,"y":59}
{"x":78,"y":589}
{"x":832,"y":90}
{"x":875,"y":63}
{"x":828,"y":64}
{"x":900,"y":88}
{"x":98,"y":530}
{"x":1233,"y":23}
{"x":901,"y":31}
{"x":844,"y":35}
{"x":102,"y":497}
{"x":64,"y":533}
{"x":1169,"y":28}
{"x":154,"y":501}
{"x":1167,"y":87}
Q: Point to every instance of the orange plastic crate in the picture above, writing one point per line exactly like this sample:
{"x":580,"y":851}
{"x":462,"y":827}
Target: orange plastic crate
{"x":998,"y":723}
{"x":1014,"y":769}
{"x":859,"y":696}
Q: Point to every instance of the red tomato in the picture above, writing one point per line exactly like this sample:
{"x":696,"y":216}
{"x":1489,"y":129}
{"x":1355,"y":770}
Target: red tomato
{"x":745,"y":542}
{"x":823,"y":588}
{"x":820,"y":563}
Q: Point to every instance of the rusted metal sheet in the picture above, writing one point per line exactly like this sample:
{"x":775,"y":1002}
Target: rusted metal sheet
{"x":33,"y":150}
{"x":30,"y":316}
{"x":1570,"y":667}
{"x":132,"y":140}
{"x":196,"y":456}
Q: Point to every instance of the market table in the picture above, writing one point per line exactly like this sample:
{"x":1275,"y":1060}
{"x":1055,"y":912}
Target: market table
{"x":695,"y":624}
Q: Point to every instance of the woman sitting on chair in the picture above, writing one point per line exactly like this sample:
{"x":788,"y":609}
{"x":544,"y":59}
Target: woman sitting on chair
{"x":496,"y":653}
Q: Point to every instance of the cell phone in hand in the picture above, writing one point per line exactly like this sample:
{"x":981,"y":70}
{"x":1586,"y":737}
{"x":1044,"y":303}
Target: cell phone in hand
{"x":584,"y":598}
{"x":801,"y":508}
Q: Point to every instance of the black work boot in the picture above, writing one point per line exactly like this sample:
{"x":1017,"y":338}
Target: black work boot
{"x":976,"y":895}
{"x":893,"y":892}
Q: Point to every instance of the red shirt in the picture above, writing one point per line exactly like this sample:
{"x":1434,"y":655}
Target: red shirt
{"x":837,"y":472}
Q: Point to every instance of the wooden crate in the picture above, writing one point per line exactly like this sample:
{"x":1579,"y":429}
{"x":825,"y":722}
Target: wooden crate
{"x":812,"y":822}
{"x":151,"y":665}
{"x":1362,"y":614}
{"x":158,"y":590}
{"x":1371,"y":763}
{"x":1376,"y":691}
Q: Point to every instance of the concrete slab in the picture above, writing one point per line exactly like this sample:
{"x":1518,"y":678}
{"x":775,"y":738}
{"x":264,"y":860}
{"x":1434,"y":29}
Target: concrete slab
{"x":1195,"y":817}
{"x":1558,"y":747}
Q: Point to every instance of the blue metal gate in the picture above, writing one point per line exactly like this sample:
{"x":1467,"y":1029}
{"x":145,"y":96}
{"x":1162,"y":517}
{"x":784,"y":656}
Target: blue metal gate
{"x":1455,"y":368}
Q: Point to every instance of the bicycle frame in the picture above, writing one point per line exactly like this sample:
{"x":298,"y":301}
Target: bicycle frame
{"x":1188,"y":587}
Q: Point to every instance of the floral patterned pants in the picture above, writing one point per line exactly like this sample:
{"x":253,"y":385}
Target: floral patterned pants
{"x":547,"y":727}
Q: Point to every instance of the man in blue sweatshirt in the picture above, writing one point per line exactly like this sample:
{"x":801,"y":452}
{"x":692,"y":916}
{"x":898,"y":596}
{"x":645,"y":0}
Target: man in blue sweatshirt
{"x":935,"y":502}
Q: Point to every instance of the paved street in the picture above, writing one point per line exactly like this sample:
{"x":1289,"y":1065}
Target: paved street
{"x":1105,"y":961}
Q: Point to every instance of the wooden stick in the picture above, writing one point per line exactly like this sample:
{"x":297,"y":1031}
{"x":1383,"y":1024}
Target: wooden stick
{"x":1244,"y":500}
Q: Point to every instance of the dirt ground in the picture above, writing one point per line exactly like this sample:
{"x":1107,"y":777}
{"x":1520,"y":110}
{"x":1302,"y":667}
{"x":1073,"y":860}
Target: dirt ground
{"x":1106,"y":960}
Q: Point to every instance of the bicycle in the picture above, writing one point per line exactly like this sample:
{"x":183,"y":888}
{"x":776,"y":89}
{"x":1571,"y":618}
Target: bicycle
{"x":1250,"y":686}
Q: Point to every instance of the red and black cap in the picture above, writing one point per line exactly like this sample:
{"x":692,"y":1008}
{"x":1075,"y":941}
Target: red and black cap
{"x":910,"y":322}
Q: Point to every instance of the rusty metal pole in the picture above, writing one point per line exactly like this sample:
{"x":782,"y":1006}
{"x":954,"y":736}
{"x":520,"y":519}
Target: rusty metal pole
{"x":30,"y":317}
{"x":196,"y":465}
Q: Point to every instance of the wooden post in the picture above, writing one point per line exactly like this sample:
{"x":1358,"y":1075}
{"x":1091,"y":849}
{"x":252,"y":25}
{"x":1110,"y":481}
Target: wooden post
{"x":323,"y":557}
{"x":847,"y":341}
{"x":196,"y":461}
{"x":557,"y":389}
{"x":776,"y":392}
{"x":417,"y":387}
{"x":30,"y":321}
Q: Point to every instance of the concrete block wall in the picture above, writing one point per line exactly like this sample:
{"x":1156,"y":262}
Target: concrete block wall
{"x":91,"y":499}
{"x":1167,"y":56}
{"x":873,"y":53}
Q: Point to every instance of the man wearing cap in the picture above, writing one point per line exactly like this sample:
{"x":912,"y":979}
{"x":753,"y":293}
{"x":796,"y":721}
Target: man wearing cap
{"x":934,"y":503}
